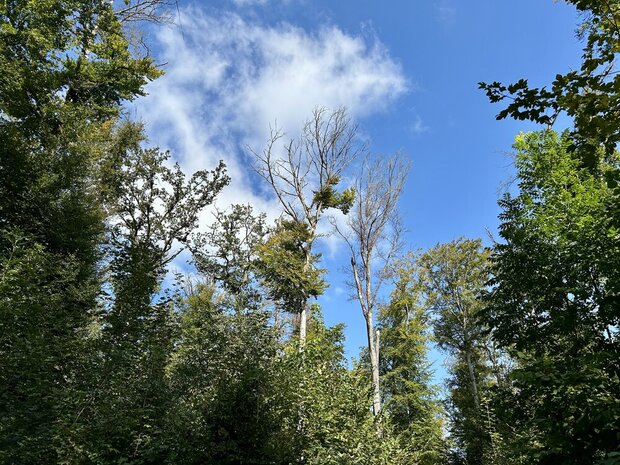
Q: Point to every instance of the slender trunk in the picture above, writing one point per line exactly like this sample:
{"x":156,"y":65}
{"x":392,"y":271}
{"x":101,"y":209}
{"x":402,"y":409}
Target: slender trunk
{"x":303,"y":314}
{"x":472,"y":377}
{"x":373,"y":339}
{"x":373,"y":348}
{"x":303,"y":326}
{"x":375,"y":375}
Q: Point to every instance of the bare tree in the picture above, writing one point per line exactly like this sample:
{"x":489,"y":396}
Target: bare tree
{"x":304,"y":174}
{"x":373,"y":236}
{"x":156,"y":11}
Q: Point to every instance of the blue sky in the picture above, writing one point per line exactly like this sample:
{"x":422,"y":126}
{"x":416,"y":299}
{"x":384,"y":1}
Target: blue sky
{"x":406,"y":70}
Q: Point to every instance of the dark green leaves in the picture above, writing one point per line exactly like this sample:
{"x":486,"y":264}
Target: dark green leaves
{"x":590,"y":96}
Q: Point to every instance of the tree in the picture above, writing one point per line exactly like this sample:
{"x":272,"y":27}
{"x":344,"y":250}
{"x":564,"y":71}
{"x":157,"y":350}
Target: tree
{"x":304,"y":180}
{"x":228,"y":254}
{"x":151,"y":209}
{"x":334,"y":425}
{"x":453,"y":277}
{"x":373,"y":237}
{"x":221,"y":377}
{"x":554,"y":303}
{"x":288,"y":273}
{"x":557,"y":310}
{"x":410,"y":399}
{"x":67,"y":69}
{"x":152,"y":212}
{"x":42,"y":325}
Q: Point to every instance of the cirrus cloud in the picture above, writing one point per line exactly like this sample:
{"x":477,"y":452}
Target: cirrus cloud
{"x":228,"y":80}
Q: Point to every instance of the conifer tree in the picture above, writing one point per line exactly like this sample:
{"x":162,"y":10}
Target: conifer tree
{"x":411,"y":401}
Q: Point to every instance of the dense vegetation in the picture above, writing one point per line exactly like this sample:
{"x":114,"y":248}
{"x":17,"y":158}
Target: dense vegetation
{"x":101,"y":363}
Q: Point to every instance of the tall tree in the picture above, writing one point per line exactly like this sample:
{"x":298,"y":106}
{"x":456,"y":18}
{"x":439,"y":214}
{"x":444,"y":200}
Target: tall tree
{"x":373,"y":237}
{"x":152,"y":212}
{"x":228,"y":253}
{"x":411,"y":401}
{"x":67,"y":69}
{"x":304,"y":178}
{"x":563,"y":225}
{"x":453,"y":277}
{"x":554,"y":303}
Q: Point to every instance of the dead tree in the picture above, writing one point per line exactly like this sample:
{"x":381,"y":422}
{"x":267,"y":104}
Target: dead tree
{"x":304,"y":174}
{"x":154,"y":11}
{"x":373,"y":235}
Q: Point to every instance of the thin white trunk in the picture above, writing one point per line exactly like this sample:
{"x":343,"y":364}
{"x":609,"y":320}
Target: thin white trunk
{"x":303,"y":327}
{"x":373,"y":339}
{"x":373,"y":346}
{"x":304,"y":313}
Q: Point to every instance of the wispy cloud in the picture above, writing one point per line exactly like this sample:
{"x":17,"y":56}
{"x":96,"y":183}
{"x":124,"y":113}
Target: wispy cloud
{"x":418,"y":126}
{"x":446,"y":13}
{"x":227,"y":80}
{"x":249,"y":2}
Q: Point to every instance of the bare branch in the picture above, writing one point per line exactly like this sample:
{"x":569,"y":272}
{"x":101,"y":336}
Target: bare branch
{"x":374,"y":238}
{"x":156,"y":11}
{"x":304,"y":173}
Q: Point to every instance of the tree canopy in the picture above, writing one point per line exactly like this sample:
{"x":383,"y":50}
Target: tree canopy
{"x":109,"y":356}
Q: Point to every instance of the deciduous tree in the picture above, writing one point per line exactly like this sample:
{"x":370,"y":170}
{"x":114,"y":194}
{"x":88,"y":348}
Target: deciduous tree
{"x":554,"y":303}
{"x":304,"y":175}
{"x":453,"y":277}
{"x":373,"y":236}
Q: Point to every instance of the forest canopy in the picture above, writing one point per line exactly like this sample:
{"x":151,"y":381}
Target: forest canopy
{"x":109,"y":357}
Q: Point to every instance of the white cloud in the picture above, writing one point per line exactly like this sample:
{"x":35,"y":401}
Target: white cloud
{"x":227,"y":80}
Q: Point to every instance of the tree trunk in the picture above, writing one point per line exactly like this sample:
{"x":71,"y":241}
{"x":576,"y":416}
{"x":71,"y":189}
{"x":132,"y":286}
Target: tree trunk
{"x":472,"y":376}
{"x":373,"y":347}
{"x":303,"y":326}
{"x":303,"y":314}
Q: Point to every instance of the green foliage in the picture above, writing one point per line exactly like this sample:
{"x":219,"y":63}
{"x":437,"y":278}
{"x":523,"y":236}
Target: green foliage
{"x":221,"y":379}
{"x":59,"y":54}
{"x":42,"y":321}
{"x":228,"y":253}
{"x":410,"y":400}
{"x":287,"y":268}
{"x":329,"y":197}
{"x":102,"y":362}
{"x":555,"y":298}
{"x":154,"y":204}
{"x":99,"y":363}
{"x":151,"y":207}
{"x":555,"y":302}
{"x":66,"y":70}
{"x":326,"y":419}
{"x":589,"y":95}
{"x":453,"y":277}
{"x":311,"y":165}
